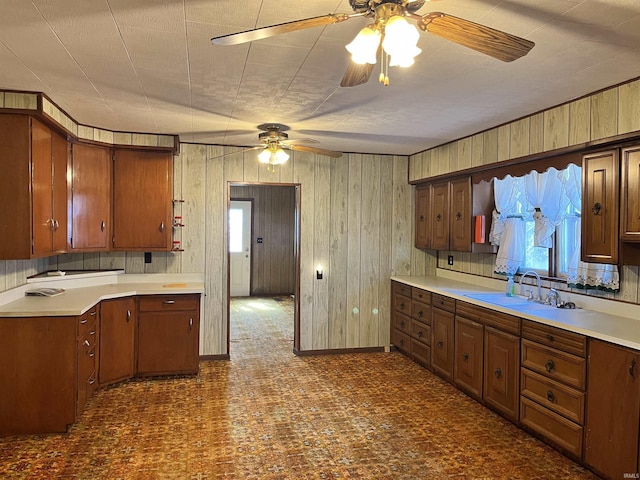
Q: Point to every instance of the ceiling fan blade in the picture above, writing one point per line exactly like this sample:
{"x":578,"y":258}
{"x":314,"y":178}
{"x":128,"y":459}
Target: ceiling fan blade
{"x":495,"y":43}
{"x":356,"y":74}
{"x":262,"y":147}
{"x":265,"y":32}
{"x":300,"y":140}
{"x":319,"y":151}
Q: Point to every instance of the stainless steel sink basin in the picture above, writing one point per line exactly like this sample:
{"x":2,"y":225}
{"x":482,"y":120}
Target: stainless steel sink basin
{"x":499,"y":298}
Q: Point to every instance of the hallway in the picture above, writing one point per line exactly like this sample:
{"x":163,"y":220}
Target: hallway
{"x":267,"y":414}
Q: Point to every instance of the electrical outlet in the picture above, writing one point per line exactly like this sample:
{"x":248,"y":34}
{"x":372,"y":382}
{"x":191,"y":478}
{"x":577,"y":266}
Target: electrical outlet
{"x":450,"y":260}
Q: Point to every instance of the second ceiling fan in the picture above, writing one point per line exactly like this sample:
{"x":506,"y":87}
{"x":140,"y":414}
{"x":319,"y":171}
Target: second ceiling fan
{"x":392,"y":34}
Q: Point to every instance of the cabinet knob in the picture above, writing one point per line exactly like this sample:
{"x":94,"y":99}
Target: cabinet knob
{"x":438,"y":217}
{"x":128,"y":315}
{"x":440,"y":344}
{"x":596,"y":208}
{"x":498,"y":373}
{"x":632,"y":368}
{"x":465,"y":356}
{"x":162,"y":226}
{"x":422,"y":218}
{"x":420,"y":314}
{"x":420,"y":334}
{"x":402,"y":306}
{"x":86,"y":343}
{"x":83,"y":321}
{"x":56,"y":224}
{"x":103,"y":226}
{"x":458,"y":216}
{"x":93,"y":314}
{"x":549,"y":366}
{"x":191,"y":324}
{"x":171,"y":302}
{"x":550,"y":337}
{"x":550,"y":396}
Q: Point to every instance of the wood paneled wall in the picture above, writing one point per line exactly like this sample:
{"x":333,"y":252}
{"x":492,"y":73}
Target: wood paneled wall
{"x":604,"y":114}
{"x":14,"y":273}
{"x":273,"y":217}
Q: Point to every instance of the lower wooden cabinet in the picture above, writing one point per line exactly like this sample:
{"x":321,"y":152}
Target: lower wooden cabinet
{"x":442,"y":343}
{"x":501,"y":372}
{"x":469,"y":356}
{"x":168,"y":333}
{"x":88,"y":350}
{"x":117,"y":340}
{"x":613,"y":410}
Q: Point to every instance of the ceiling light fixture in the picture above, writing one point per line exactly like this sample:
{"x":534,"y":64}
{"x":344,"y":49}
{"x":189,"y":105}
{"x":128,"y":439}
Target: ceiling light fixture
{"x":390,"y":30}
{"x":273,"y":155}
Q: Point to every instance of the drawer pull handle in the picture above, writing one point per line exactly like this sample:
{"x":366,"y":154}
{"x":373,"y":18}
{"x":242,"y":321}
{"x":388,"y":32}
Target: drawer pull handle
{"x":550,"y":337}
{"x":498,"y":373}
{"x":549,"y":366}
{"x":420,"y":314}
{"x":440,"y":344}
{"x":420,"y":334}
{"x":401,"y":342}
{"x":92,"y":332}
{"x":102,"y":226}
{"x":550,"y":396}
{"x":92,"y":381}
{"x":86,"y":342}
{"x":402,"y":305}
{"x":83,"y":321}
{"x":632,"y":368}
{"x":465,"y":356}
{"x":191,"y":324}
{"x":162,"y":226}
{"x":92,"y":354}
{"x":93,"y":314}
{"x":128,"y":315}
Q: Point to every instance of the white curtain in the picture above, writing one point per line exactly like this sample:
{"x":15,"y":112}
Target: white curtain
{"x":547,"y":202}
{"x":507,"y":227}
{"x":581,"y":274}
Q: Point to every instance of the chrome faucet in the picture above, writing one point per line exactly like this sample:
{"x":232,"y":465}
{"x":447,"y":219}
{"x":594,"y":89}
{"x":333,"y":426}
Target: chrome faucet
{"x":538,"y":283}
{"x":553,"y":298}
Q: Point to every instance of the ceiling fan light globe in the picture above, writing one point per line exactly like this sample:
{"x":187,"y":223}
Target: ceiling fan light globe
{"x":405,"y":59}
{"x":264,"y":156}
{"x":400,"y":41}
{"x":280,"y":157}
{"x":364,"y":47}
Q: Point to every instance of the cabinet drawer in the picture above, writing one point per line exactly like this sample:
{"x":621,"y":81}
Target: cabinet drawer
{"x":554,"y":427}
{"x":421,"y":353}
{"x":161,"y":303}
{"x":402,"y":322}
{"x":421,"y":331}
{"x":401,"y":304}
{"x":564,"y":400}
{"x":401,"y":340}
{"x":421,"y":295}
{"x":564,"y":367}
{"x":501,"y":321}
{"x":401,"y":289}
{"x":443,"y":303}
{"x":421,"y":312}
{"x":88,"y":321}
{"x":555,"y":337}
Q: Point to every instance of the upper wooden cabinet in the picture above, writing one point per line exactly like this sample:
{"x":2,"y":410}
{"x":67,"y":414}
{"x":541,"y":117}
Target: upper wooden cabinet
{"x":600,"y":207}
{"x":142,"y":200}
{"x":630,"y":197}
{"x":33,"y":189}
{"x":444,"y":215}
{"x":90,"y":202}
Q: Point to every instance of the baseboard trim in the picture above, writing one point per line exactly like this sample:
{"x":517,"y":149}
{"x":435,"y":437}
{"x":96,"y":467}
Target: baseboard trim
{"x":214,"y":357}
{"x":336,"y":351}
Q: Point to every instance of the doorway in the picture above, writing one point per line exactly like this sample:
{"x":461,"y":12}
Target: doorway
{"x":263,"y":249}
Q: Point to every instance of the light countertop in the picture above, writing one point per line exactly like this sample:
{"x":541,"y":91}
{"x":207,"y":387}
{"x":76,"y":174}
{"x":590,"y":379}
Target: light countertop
{"x":617,"y":329}
{"x":84,"y":291}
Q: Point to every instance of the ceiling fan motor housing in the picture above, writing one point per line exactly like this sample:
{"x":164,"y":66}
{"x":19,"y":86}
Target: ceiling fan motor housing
{"x":368,"y":7}
{"x":273,"y":134}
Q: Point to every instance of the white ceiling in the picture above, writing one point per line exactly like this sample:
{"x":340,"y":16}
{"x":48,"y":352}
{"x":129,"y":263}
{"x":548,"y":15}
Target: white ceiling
{"x":149,"y":66}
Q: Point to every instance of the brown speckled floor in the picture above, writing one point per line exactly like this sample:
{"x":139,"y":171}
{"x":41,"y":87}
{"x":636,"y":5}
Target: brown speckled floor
{"x":268,"y":414}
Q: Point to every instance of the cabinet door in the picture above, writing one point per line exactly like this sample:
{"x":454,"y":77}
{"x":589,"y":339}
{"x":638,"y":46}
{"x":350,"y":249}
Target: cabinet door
{"x":60,"y":161}
{"x":630,"y":194}
{"x":423,"y":236}
{"x":460,"y":215}
{"x":117,"y":340}
{"x":41,"y":194}
{"x":439,"y":221}
{"x":142,"y":186}
{"x":91,"y":198}
{"x":168,"y":342}
{"x":600,"y":207}
{"x":501,"y":372}
{"x":442,"y":346}
{"x":469,"y":356}
{"x":613,"y":409}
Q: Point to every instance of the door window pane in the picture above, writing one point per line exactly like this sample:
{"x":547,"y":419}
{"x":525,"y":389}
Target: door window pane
{"x":235,"y":230}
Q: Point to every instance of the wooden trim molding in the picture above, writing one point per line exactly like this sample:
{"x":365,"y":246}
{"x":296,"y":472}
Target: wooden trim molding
{"x":337,"y":351}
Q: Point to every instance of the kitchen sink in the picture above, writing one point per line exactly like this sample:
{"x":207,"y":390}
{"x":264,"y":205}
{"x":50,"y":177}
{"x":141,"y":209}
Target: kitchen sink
{"x":517,"y":302}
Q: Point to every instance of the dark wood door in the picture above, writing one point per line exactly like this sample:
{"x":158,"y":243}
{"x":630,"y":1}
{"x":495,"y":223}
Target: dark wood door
{"x":613,"y":409}
{"x":142,"y":186}
{"x":168,"y":342}
{"x":460,"y":215}
{"x":442,"y":346}
{"x":423,"y":236}
{"x":600,"y":207}
{"x":469,"y":356}
{"x":59,"y":162}
{"x":41,"y":189}
{"x":117,"y":340}
{"x":439,"y":221}
{"x":91,"y":197}
{"x":630,"y":194}
{"x":501,"y":371}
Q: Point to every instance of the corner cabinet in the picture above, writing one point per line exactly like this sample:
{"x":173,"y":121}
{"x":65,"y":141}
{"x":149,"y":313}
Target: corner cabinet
{"x":142,"y":200}
{"x":117,"y":340}
{"x":33,"y":189}
{"x":600,"y":207}
{"x":90,"y":202}
{"x":443,"y":215}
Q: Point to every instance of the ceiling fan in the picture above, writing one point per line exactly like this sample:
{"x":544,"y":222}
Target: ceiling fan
{"x":273,"y":141}
{"x":387,"y":15}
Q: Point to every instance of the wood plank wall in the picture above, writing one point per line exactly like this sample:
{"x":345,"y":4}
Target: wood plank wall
{"x":272,"y":261}
{"x":604,"y":114}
